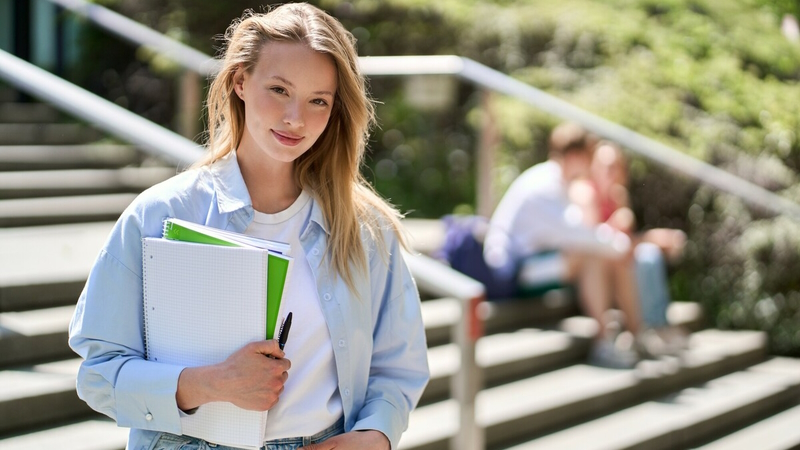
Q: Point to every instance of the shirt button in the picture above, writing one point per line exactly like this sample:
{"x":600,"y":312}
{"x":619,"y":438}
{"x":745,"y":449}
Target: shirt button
{"x":327,"y":297}
{"x":347,"y":392}
{"x":148,"y":417}
{"x":341,"y":342}
{"x":315,"y":252}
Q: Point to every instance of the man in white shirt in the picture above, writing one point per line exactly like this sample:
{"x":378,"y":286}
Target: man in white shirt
{"x":538,"y":232}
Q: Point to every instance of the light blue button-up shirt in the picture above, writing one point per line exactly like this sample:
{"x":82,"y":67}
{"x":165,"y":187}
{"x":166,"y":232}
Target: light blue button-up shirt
{"x":381,"y":354}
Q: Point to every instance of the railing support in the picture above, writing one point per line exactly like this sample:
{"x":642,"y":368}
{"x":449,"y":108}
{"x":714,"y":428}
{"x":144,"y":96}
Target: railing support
{"x":487,"y":151}
{"x":468,"y":380}
{"x":438,"y":279}
{"x":190,"y":104}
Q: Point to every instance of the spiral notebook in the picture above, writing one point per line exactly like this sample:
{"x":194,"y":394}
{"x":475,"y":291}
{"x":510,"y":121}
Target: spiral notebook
{"x":201,"y":303}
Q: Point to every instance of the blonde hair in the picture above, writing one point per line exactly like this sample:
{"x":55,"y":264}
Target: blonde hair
{"x":330,"y":169}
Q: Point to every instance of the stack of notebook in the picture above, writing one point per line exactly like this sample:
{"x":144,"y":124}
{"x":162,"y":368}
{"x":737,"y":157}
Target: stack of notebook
{"x":207,"y":293}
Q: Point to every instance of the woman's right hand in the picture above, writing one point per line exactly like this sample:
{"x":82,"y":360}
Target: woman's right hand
{"x":251,"y":378}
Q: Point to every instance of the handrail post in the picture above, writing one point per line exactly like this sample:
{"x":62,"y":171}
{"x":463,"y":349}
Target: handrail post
{"x":189,"y":104}
{"x":436,"y":278}
{"x":487,"y":149}
{"x":468,"y":380}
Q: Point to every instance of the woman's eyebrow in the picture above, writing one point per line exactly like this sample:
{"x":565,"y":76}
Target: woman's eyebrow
{"x":291,"y":85}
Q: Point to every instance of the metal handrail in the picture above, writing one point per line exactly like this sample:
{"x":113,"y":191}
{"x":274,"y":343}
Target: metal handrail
{"x":478,"y":74}
{"x":101,"y":113}
{"x":138,"y":34}
{"x":494,"y":80}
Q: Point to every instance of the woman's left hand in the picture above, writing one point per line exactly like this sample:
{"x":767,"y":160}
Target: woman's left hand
{"x":354,"y":440}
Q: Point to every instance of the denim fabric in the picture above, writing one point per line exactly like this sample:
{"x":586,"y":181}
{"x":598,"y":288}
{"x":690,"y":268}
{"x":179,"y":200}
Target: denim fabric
{"x":376,"y":328}
{"x":167,"y":441}
{"x":651,"y":278}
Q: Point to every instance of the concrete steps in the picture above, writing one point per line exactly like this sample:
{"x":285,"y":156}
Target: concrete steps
{"x":47,"y":266}
{"x":54,"y":157}
{"x":34,"y":336}
{"x":47,"y":134}
{"x":560,"y":398}
{"x":53,"y":183}
{"x":27,"y":112}
{"x":681,"y":419}
{"x":58,"y":210}
{"x":778,"y":432}
{"x":93,"y":434}
{"x":32,"y":396}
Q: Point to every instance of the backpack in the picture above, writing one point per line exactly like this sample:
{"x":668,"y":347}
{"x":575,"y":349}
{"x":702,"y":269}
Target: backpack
{"x":463,"y":251}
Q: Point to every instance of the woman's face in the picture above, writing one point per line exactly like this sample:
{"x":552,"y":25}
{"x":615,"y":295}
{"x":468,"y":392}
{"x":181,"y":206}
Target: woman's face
{"x":608,"y":167}
{"x":288,"y":98}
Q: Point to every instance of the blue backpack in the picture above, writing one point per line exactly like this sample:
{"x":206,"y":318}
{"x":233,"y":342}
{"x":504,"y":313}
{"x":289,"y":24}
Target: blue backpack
{"x":463,"y":250}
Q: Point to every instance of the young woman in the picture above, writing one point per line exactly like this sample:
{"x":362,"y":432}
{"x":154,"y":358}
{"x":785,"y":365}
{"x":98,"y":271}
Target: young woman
{"x":289,"y":118}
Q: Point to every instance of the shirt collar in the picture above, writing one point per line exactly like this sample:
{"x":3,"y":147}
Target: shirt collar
{"x":232,"y":193}
{"x":229,"y":185}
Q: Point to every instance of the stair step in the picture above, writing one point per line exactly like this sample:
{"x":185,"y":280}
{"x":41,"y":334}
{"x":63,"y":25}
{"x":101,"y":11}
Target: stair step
{"x":42,"y":157}
{"x":46,"y":133}
{"x":505,"y":356}
{"x":425,"y":235}
{"x":536,"y":405}
{"x":48,"y":265}
{"x":441,"y":314}
{"x":7,"y":94}
{"x":778,"y":432}
{"x":681,"y":419}
{"x":41,"y":394}
{"x":33,"y":336}
{"x":69,"y":209}
{"x":28,"y":113}
{"x":95,"y":434}
{"x":44,"y":183}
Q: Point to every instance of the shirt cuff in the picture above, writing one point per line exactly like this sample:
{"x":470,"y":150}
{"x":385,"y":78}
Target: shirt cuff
{"x":145,"y":396}
{"x":380,"y":415}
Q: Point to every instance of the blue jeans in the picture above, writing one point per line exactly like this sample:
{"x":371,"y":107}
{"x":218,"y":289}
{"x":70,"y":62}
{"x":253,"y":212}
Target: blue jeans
{"x":651,"y":277}
{"x":167,"y":441}
{"x":544,"y":271}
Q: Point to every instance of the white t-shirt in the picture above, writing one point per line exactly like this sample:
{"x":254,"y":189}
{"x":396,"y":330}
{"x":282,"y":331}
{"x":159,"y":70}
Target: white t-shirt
{"x":535,"y":215}
{"x":310,"y":401}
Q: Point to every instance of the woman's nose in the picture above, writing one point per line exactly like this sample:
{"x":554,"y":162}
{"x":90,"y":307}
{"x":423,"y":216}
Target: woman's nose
{"x":293,"y":114}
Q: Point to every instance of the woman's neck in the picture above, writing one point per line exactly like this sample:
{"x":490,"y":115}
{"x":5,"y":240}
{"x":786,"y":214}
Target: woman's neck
{"x":270,"y":183}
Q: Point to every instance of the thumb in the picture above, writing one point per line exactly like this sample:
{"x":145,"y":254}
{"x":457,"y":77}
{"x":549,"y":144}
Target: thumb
{"x":268,"y":348}
{"x":313,"y":447}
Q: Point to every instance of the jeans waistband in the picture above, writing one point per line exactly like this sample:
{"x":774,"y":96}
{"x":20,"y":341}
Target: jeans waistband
{"x":280,"y":444}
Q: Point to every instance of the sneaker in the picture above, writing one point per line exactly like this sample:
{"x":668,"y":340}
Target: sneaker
{"x":658,"y":342}
{"x":605,"y":353}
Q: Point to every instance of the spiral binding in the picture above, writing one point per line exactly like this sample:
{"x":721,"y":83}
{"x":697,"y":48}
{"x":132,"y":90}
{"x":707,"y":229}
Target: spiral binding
{"x":144,"y":300}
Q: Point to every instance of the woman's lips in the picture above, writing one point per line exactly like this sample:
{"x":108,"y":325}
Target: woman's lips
{"x":287,"y":138}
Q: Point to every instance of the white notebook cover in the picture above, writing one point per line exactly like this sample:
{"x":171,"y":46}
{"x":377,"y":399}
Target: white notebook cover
{"x":202,"y":303}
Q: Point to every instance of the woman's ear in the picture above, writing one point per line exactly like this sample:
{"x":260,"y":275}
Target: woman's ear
{"x":238,"y":82}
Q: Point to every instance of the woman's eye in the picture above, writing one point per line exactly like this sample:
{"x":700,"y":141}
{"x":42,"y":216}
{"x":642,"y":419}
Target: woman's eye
{"x":320,"y":102}
{"x":278,"y":90}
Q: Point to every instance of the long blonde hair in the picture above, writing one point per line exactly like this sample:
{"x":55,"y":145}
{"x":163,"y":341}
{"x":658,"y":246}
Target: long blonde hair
{"x":330,"y":168}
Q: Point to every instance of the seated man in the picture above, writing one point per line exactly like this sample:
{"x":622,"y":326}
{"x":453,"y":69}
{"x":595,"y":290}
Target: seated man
{"x":536,"y":233}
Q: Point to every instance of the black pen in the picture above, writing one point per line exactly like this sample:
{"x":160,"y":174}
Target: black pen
{"x":284,"y":333}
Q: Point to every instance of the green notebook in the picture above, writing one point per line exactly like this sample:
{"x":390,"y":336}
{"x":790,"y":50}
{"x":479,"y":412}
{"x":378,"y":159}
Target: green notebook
{"x":278,"y":262}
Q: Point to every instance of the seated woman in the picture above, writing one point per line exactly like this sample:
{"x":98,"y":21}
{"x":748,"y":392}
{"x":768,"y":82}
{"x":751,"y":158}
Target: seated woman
{"x":603,"y":198}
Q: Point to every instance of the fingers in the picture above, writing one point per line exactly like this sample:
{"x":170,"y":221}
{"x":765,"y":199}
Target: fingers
{"x":268,"y":348}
